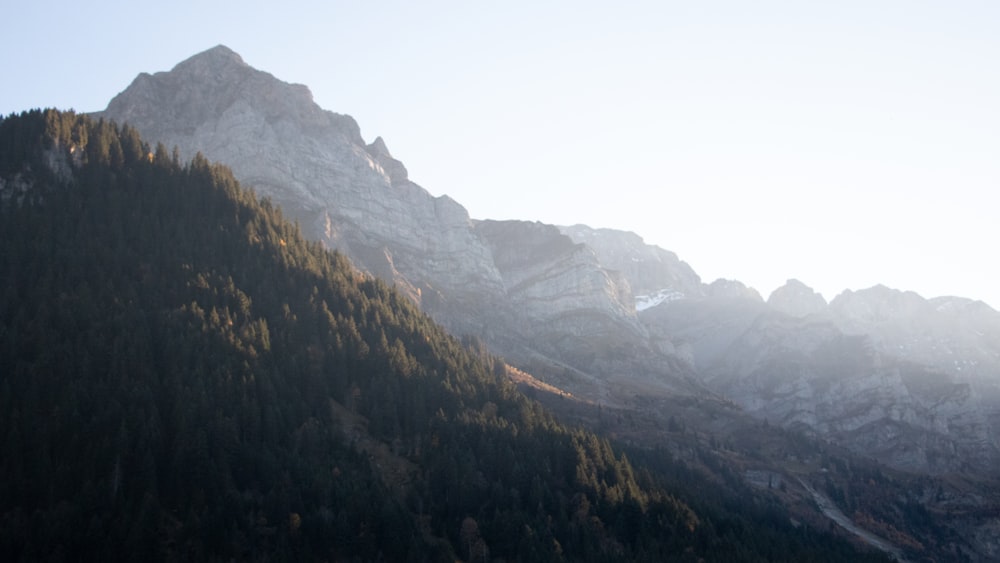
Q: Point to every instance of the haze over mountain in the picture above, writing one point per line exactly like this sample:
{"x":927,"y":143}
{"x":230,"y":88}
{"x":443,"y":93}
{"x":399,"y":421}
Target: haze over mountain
{"x":525,"y":288}
{"x":595,"y":311}
{"x":705,"y":119}
{"x":618,"y":324}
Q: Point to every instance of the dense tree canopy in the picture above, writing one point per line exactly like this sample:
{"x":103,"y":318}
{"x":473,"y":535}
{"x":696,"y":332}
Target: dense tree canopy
{"x":184,"y":377}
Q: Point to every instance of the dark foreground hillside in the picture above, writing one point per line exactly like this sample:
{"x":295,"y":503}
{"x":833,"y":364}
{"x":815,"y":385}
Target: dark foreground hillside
{"x":183,"y":377}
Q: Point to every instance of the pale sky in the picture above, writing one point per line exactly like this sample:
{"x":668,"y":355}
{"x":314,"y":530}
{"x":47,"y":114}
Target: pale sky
{"x":845,"y":144}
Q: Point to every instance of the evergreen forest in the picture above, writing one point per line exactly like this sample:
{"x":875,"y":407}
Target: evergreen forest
{"x":184,"y":377}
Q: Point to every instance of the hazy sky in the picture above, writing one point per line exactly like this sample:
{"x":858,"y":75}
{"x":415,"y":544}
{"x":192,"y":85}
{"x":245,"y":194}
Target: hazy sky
{"x":844,"y":143}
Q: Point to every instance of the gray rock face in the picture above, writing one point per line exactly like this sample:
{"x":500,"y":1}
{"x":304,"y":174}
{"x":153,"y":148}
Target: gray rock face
{"x":572,"y":308}
{"x":723,"y":289}
{"x":956,"y":335}
{"x":650,"y":270}
{"x":796,"y":299}
{"x":354,"y":197}
{"x":559,"y":287}
{"x":548,"y":275}
{"x":701,"y":331}
{"x":810,"y":374}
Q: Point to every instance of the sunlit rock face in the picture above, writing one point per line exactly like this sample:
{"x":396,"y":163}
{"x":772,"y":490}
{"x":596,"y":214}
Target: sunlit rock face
{"x":354,"y":197}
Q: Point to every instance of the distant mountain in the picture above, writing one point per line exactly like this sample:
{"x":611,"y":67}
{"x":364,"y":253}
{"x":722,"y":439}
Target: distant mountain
{"x":956,"y":335}
{"x":796,"y":299}
{"x":650,"y":270}
{"x":889,"y":374}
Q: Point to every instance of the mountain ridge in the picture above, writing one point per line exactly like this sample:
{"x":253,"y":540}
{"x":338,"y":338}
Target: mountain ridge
{"x":567,"y":315}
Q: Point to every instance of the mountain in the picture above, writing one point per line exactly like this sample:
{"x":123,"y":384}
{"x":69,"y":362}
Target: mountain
{"x":186,"y":377}
{"x":879,"y":371}
{"x":352,"y":196}
{"x":597,"y":312}
{"x":953,"y":334}
{"x":600,"y":314}
{"x":654,"y":274}
{"x":356,"y":198}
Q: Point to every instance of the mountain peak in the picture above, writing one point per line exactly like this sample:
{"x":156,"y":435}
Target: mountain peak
{"x":879,"y":303}
{"x":796,"y":299}
{"x":215,"y":86}
{"x":732,"y":289}
{"x":394,"y":168}
{"x":218,"y":56}
{"x":378,"y":148}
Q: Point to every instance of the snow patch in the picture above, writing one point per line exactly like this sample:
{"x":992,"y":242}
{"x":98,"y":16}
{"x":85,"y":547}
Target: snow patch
{"x":643,"y":302}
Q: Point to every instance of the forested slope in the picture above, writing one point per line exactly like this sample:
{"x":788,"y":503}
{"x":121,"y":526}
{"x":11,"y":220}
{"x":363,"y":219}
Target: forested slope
{"x":184,"y":377}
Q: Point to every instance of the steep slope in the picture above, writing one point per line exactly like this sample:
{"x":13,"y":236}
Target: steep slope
{"x":187,"y":378}
{"x":571,"y":308}
{"x":354,"y":197}
{"x":654,"y":274}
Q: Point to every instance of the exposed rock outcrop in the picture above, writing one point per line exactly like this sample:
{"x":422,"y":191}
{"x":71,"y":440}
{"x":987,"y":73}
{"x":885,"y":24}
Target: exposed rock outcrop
{"x":649,"y":269}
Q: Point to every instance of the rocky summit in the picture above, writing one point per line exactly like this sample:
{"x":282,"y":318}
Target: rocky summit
{"x":352,"y":196}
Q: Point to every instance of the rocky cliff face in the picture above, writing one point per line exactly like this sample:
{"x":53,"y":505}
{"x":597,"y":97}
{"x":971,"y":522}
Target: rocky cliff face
{"x":547,"y":275}
{"x":354,"y":197}
{"x":564,"y":296}
{"x":840,"y":372}
{"x":812,"y":376}
{"x":654,"y":274}
{"x":574,"y":309}
{"x":955,"y":335}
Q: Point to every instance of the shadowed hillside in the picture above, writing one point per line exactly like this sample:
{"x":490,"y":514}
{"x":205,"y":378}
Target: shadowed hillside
{"x":184,"y":377}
